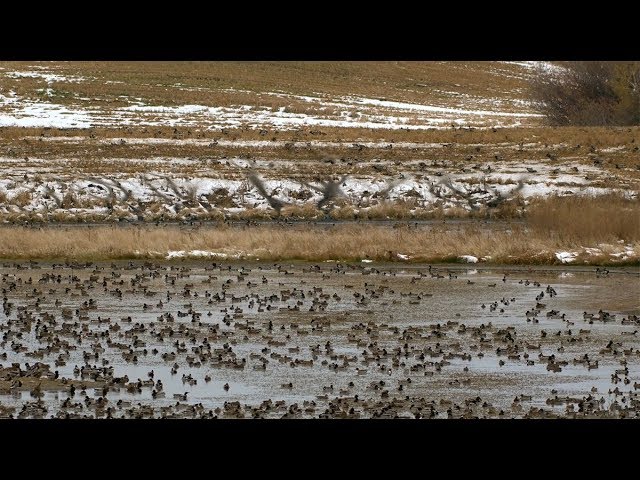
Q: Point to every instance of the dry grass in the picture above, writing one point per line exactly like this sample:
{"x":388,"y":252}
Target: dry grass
{"x":277,"y":242}
{"x":619,"y":165}
{"x":509,"y":209}
{"x":401,"y":209}
{"x":555,"y":224}
{"x":307,"y":211}
{"x":228,"y":83}
{"x":549,"y":139}
{"x":22,"y":199}
{"x":344,"y":212}
{"x":577,"y":220}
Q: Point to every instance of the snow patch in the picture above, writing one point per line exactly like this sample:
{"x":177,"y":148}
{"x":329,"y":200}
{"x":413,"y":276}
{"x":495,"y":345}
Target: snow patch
{"x":40,"y":114}
{"x":348,"y":112}
{"x":431,"y":108}
{"x":566,"y":257}
{"x":197,"y":253}
{"x":48,"y":77}
{"x":469,"y":258}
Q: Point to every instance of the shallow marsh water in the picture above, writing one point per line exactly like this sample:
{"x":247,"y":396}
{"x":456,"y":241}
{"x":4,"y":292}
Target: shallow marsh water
{"x":369,"y":323}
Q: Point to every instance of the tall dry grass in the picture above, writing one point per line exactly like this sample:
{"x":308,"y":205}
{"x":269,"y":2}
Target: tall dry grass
{"x":280,"y":242}
{"x":577,"y":220}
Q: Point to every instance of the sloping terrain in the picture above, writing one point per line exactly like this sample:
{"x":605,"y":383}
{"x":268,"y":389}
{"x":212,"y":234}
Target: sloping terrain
{"x":286,"y":95}
{"x":194,"y":141}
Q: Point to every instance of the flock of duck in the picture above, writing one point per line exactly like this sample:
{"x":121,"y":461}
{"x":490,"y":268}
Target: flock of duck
{"x":200,"y":339}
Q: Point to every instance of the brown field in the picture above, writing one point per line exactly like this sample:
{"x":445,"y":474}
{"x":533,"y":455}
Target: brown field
{"x":227,"y":83}
{"x":91,"y":151}
{"x":41,"y":163}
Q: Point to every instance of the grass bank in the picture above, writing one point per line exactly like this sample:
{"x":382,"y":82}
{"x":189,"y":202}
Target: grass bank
{"x":441,"y":243}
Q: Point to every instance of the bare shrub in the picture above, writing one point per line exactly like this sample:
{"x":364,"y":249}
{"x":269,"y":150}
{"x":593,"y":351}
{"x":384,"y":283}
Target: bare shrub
{"x":302,"y":194}
{"x":22,"y":199}
{"x":590,"y":93}
{"x":221,"y":198}
{"x":69,"y":200}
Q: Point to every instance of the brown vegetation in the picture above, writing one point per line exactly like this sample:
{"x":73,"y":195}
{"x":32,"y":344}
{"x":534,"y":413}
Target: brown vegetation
{"x":590,"y":93}
{"x":577,"y":220}
{"x":552,"y":225}
{"x":22,"y":199}
{"x":111,"y":84}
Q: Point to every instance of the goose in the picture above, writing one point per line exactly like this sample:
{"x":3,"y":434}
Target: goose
{"x":330,"y":190}
{"x":258,"y":183}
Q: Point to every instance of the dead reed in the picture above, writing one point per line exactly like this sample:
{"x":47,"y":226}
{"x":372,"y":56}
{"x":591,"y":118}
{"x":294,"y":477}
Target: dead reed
{"x":576,"y":220}
{"x":442,"y":242}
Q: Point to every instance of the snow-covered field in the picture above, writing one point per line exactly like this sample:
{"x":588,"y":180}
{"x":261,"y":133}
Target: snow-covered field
{"x":320,"y":110}
{"x":346,"y":112}
{"x":47,"y":191}
{"x":82,"y":154}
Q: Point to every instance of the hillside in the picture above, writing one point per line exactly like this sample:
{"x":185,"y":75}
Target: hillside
{"x":414,"y":95}
{"x":115,"y":141}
